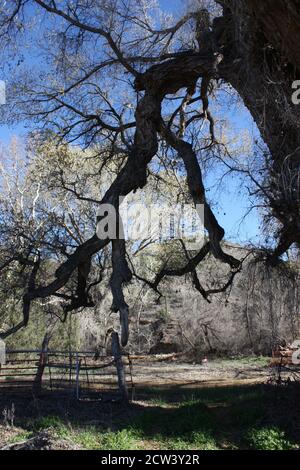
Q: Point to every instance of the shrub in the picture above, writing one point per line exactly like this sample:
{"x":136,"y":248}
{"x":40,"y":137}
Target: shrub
{"x":268,"y":439}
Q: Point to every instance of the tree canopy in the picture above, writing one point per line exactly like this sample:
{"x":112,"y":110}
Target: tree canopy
{"x":140,"y":88}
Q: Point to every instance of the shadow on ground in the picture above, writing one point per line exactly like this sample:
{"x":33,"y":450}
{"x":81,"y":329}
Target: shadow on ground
{"x":258,"y":416}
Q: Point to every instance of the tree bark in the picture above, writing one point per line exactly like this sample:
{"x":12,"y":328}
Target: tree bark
{"x":259,"y":42}
{"x":116,"y":351}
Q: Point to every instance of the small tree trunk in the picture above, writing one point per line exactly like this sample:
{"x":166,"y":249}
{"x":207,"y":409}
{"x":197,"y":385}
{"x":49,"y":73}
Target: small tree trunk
{"x":116,"y":352}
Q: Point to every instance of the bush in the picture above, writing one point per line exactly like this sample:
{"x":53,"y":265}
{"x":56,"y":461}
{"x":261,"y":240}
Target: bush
{"x":268,"y":439}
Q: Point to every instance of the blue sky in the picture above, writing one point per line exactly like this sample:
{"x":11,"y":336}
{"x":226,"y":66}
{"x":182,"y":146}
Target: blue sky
{"x":231,"y":204}
{"x":172,"y":5}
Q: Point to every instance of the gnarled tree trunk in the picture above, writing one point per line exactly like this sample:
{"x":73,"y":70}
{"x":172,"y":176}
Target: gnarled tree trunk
{"x":259,"y":41}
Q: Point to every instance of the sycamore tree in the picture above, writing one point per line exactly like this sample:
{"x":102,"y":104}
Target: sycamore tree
{"x":145,"y":87}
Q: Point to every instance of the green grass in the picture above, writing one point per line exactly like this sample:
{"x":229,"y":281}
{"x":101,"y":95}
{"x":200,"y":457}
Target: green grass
{"x":200,"y":440}
{"x":217,"y":418}
{"x":21,"y":436}
{"x":93,"y":439}
{"x":53,"y":423}
{"x":258,"y":361}
{"x":240,"y":417}
{"x":157,"y":401}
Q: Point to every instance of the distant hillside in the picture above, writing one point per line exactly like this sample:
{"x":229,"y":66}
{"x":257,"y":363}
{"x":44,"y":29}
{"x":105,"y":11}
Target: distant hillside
{"x":259,"y":310}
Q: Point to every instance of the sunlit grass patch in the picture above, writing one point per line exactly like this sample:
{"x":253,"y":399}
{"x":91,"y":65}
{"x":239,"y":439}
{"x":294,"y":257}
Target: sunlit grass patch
{"x":21,"y":436}
{"x":95,"y":439}
{"x":200,"y":440}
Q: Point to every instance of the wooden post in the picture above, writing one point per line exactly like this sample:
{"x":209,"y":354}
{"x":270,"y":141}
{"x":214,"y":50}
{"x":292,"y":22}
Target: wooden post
{"x":37,"y":384}
{"x":2,"y":353}
{"x":50,"y":375}
{"x":116,"y":352}
{"x":70,"y":368}
{"x":131,"y":378}
{"x":77,"y":375}
{"x":86,"y":372}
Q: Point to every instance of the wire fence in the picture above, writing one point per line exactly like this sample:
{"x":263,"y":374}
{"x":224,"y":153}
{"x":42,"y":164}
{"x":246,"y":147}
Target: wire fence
{"x":87,"y":373}
{"x":77,"y":372}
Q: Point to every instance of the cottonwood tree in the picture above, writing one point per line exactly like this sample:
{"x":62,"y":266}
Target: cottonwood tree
{"x":123,"y":74}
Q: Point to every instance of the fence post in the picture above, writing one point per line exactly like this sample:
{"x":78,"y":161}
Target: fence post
{"x":77,"y":375}
{"x":70,"y":368}
{"x":116,"y":352}
{"x":38,"y":380}
{"x":2,"y":353}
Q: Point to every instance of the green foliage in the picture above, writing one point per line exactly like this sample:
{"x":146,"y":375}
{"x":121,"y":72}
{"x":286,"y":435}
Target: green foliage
{"x":268,"y":439}
{"x":47,"y":422}
{"x":95,"y":439}
{"x":120,"y":440}
{"x":64,"y":337}
{"x":87,"y":439}
{"x":21,"y":436}
{"x":200,"y":440}
{"x":55,"y":423}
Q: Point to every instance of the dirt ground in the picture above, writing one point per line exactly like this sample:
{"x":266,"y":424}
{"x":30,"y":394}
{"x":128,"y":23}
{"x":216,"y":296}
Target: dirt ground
{"x":214,"y":372}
